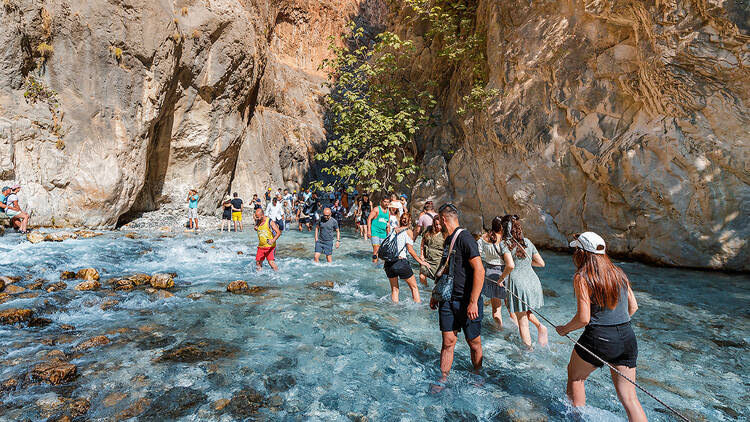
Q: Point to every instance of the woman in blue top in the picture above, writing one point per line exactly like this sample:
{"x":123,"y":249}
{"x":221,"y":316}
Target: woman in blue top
{"x":193,"y":209}
{"x":605,"y":304}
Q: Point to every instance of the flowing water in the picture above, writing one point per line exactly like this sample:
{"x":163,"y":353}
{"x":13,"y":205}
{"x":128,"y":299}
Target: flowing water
{"x":297,"y":351}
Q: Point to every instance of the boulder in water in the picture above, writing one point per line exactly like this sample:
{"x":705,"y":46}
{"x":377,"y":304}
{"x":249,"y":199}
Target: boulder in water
{"x":87,"y":274}
{"x":36,"y":284}
{"x":107,"y":304}
{"x":59,"y":236}
{"x":134,"y":410}
{"x":9,"y":384}
{"x":123,"y":284}
{"x":139,"y":279}
{"x":15,"y":316}
{"x":322,"y":284}
{"x":55,"y":287}
{"x":54,"y":372}
{"x":174,"y":404}
{"x":67,"y":275}
{"x":6,"y":279}
{"x":88,"y":285}
{"x":197,"y":351}
{"x":92,"y":342}
{"x":162,"y":281}
{"x":162,"y":294}
{"x":86,"y":234}
{"x":245,"y":403}
{"x":34,"y":237}
{"x":237,"y":286}
{"x":13,"y":289}
{"x":194,"y":296}
{"x":209,"y":241}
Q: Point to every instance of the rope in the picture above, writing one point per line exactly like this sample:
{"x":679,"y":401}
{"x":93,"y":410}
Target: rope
{"x":680,"y":415}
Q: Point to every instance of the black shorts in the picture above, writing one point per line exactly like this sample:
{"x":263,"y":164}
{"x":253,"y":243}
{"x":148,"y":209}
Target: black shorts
{"x":400,"y":269}
{"x":226,"y":216}
{"x":616,"y":344}
{"x":453,"y":318}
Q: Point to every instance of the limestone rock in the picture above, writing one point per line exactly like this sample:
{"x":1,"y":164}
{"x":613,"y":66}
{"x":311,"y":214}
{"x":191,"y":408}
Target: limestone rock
{"x":15,"y":316}
{"x":54,"y":372}
{"x":88,"y":285}
{"x":163,"y":294}
{"x":124,"y":284}
{"x":59,"y":236}
{"x":13,"y":289}
{"x":328,"y":284}
{"x":35,"y":237}
{"x":161,"y":281}
{"x":92,"y":342}
{"x":108,"y":304}
{"x":85,"y":234}
{"x":140,"y":279}
{"x":88,"y":274}
{"x":237,"y":286}
{"x":55,"y":287}
{"x":67,"y":275}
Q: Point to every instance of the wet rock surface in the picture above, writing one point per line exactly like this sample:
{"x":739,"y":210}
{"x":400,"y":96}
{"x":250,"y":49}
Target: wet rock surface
{"x":55,"y":371}
{"x":237,"y":286}
{"x":87,"y":274}
{"x":88,"y":285}
{"x":92,"y":342}
{"x":162,"y":281}
{"x":15,"y":316}
{"x":197,"y":351}
{"x":174,"y":403}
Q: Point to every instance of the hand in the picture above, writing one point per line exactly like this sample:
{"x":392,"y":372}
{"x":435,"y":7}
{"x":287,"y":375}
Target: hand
{"x":426,"y":264}
{"x":561,"y":330}
{"x":472,"y":311}
{"x":433,"y":303}
{"x":338,"y":244}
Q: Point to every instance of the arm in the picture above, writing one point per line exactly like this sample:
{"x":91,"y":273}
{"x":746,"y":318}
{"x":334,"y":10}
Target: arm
{"x":632,"y":303}
{"x":371,"y":217}
{"x":418,"y":258}
{"x":275,"y":228}
{"x":583,"y":315}
{"x":316,"y":232}
{"x":421,"y":249}
{"x":338,"y":237}
{"x":476,"y":264}
{"x":537,"y":261}
{"x":509,"y":266}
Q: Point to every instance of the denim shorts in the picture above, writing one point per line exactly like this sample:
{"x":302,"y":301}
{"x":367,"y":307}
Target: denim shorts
{"x":616,"y":344}
{"x":326,"y":248}
{"x":376,"y":240}
{"x":453,"y":318}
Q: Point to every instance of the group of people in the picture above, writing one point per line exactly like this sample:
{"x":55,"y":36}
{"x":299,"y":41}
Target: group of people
{"x":498,"y":265}
{"x":9,"y":206}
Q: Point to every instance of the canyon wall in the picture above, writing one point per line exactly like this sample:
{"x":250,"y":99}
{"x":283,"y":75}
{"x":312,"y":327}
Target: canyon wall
{"x":628,"y":118}
{"x":157,"y":97}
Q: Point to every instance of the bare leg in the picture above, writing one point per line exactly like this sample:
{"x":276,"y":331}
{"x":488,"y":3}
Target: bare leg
{"x":329,"y":258}
{"x":541,"y":329}
{"x":316,"y":258}
{"x":240,"y":225}
{"x":412,"y":282}
{"x":394,"y":289}
{"x":578,"y":371}
{"x":627,"y":395}
{"x":273,"y":265}
{"x":497,"y":308}
{"x":196,"y":224}
{"x":475,"y":345}
{"x":258,"y":265}
{"x":512,"y":315}
{"x":446,"y":353}
{"x":523,"y":328}
{"x":423,"y":279}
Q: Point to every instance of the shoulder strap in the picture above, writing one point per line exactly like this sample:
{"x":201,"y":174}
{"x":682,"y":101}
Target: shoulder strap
{"x":450,"y":252}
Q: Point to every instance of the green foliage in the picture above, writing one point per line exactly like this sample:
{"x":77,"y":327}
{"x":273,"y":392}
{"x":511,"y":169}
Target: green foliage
{"x":117,"y":52}
{"x":38,"y":91}
{"x":375,"y":109}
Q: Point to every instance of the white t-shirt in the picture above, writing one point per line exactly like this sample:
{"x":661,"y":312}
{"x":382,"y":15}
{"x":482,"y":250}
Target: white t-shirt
{"x":402,"y":240}
{"x":275,"y":212}
{"x":12,"y":198}
{"x":393,"y":222}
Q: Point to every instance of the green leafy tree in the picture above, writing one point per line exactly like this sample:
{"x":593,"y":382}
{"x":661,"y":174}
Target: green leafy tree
{"x":374,"y":111}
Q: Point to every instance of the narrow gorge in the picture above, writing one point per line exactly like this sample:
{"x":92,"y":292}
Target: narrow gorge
{"x":629,"y":118}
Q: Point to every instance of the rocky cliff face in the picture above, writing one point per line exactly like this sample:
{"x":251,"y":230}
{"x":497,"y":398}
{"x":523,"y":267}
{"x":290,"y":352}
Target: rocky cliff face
{"x":156,"y":97}
{"x":627,"y":118}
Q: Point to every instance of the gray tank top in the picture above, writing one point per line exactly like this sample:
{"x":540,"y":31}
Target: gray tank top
{"x":605,"y":316}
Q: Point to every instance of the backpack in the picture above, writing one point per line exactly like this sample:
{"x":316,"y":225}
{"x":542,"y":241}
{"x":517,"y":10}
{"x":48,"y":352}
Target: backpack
{"x":389,"y":251}
{"x":4,"y":200}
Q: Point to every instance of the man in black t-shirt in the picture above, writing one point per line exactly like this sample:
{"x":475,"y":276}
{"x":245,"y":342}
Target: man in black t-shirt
{"x":464,"y":311}
{"x":237,"y":211}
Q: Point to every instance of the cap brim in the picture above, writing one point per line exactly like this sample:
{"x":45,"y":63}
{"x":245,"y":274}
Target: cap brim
{"x":576,"y":244}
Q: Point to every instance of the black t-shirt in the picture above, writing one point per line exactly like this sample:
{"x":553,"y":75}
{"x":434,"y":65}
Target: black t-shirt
{"x":237,"y":203}
{"x":464,"y":249}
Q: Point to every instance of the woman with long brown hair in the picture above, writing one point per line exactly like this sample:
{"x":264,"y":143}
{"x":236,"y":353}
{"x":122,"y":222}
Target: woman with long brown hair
{"x":431,"y":250}
{"x":605,"y":305}
{"x":401,"y":269}
{"x":524,"y":287}
{"x":491,"y":251}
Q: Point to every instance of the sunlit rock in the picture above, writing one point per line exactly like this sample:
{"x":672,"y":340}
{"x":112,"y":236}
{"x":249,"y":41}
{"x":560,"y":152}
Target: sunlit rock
{"x":88,"y":274}
{"x":162,"y":281}
{"x":55,"y":371}
{"x":88,"y":285}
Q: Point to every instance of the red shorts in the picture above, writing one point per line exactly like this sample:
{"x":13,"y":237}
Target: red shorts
{"x":265,"y":253}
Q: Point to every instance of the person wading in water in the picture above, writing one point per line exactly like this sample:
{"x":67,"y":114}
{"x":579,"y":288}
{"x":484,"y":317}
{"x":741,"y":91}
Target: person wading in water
{"x":431,"y":250}
{"x":462,"y":312}
{"x":268,"y":233}
{"x":400,"y":269}
{"x":491,"y":249}
{"x":363,"y":210}
{"x":605,"y":304}
{"x":520,"y":255}
{"x":377,"y":226}
{"x":326,"y":230}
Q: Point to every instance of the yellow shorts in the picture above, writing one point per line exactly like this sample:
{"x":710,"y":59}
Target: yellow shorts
{"x":236,"y":216}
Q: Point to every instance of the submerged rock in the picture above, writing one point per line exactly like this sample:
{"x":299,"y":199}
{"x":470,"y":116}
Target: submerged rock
{"x":59,"y":236}
{"x":123,"y":284}
{"x":237,"y":286}
{"x":321,"y":284}
{"x":88,"y":285}
{"x":36,"y":284}
{"x":9,"y":384}
{"x":87,"y":274}
{"x":15,"y":316}
{"x":173,"y":404}
{"x":56,"y":286}
{"x":209,"y":241}
{"x":205,"y":350}
{"x":550,"y":293}
{"x":86,"y":234}
{"x":162,"y":281}
{"x":245,"y":403}
{"x":67,"y":275}
{"x":107,"y":304}
{"x":194,"y":296}
{"x":162,"y":294}
{"x":54,"y":372}
{"x":13,"y":289}
{"x":139,"y":279}
{"x":92,"y":342}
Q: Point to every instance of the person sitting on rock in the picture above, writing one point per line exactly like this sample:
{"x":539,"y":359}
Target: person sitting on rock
{"x":18,"y":219}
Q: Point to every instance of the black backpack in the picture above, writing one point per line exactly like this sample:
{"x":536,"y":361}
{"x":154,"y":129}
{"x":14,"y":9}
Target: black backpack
{"x":389,"y":251}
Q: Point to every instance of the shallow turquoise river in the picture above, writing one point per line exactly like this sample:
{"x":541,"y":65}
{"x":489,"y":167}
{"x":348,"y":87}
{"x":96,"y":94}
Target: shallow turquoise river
{"x":296,"y":352}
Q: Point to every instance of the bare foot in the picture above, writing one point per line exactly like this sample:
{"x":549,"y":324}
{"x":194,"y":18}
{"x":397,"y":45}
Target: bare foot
{"x":543,"y":340}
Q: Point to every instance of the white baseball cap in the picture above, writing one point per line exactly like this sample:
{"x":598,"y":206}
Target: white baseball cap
{"x":589,"y":242}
